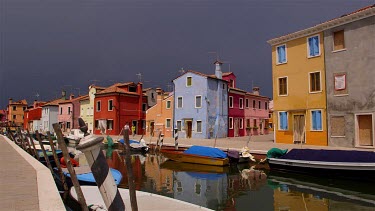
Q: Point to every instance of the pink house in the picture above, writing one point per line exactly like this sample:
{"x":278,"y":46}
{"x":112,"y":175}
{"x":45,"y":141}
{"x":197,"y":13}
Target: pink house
{"x":256,"y":112}
{"x":65,"y":114}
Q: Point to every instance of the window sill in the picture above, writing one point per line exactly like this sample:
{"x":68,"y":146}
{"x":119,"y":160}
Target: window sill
{"x":341,"y":95}
{"x":340,"y":50}
{"x":316,"y":92}
{"x":316,"y":130}
{"x":283,"y":95}
{"x":311,"y":57}
{"x":281,"y":63}
{"x":338,"y":136}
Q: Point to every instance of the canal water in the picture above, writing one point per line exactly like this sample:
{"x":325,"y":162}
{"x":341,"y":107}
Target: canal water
{"x":241,"y":186}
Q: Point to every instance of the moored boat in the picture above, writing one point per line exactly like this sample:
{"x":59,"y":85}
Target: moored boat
{"x":350,"y":164}
{"x":139,"y":146}
{"x":200,"y":155}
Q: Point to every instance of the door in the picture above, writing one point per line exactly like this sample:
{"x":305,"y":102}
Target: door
{"x":134,"y":127}
{"x":365,"y":130}
{"x":152,"y":126}
{"x":189,"y":129}
{"x":236,"y":127}
{"x":299,"y":129}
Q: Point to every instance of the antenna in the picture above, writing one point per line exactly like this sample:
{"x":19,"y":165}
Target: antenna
{"x":94,"y":80}
{"x":227,"y":62}
{"x":139,"y":76}
{"x":79,"y":91}
{"x":182,"y":71}
{"x":37,"y":96}
{"x":215,"y":52}
{"x":169,"y":87}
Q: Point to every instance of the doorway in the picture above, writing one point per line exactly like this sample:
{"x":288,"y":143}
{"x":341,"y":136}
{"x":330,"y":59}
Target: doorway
{"x":189,"y":125}
{"x":236,"y":127}
{"x":365,"y":130}
{"x":135,"y":124}
{"x":299,"y":129}
{"x":152,"y":126}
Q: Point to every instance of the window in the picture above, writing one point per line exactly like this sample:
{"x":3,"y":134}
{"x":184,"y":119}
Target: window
{"x":167,"y":123}
{"x":247,"y":103}
{"x":179,"y":102}
{"x":61,"y":110}
{"x":281,"y":54}
{"x":97,"y":124}
{"x":230,"y":102}
{"x":179,"y":125}
{"x":98,"y":105}
{"x":168,"y":104}
{"x":231,"y":83}
{"x":259,"y":105}
{"x":110,"y":124}
{"x":265,"y":105}
{"x":223,"y":86}
{"x":24,"y":108}
{"x":14,"y":108}
{"x":198,"y":101}
{"x":247,"y":122}
{"x":69,"y":111}
{"x":316,"y":120}
{"x":283,"y":120}
{"x":241,"y":103}
{"x":68,"y":125}
{"x":241,"y":123}
{"x":199,"y":126}
{"x":144,"y":107}
{"x":14,"y":116}
{"x":338,"y":40}
{"x":315,"y":82}
{"x":340,"y":82}
{"x":110,"y":105}
{"x":188,"y":81}
{"x":253,"y":103}
{"x":313,"y":46}
{"x":230,"y":122}
{"x":283,"y":86}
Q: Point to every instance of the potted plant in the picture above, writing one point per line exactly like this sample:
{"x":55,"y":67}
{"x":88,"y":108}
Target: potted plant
{"x":255,"y":130}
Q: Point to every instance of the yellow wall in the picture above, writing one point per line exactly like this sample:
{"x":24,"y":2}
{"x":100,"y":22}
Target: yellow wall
{"x":298,"y":201}
{"x":298,"y":99}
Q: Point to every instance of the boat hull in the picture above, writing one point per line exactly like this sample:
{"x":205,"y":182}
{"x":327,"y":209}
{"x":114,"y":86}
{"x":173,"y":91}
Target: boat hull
{"x":189,"y":158}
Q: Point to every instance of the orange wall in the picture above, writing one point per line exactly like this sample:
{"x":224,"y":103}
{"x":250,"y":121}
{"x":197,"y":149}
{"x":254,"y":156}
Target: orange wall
{"x":158,"y":114}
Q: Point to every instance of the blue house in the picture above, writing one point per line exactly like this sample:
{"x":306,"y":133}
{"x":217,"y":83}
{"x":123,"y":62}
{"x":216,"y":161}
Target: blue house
{"x":201,"y":104}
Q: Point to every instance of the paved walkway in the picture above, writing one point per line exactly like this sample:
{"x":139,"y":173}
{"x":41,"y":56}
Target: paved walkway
{"x":25,"y":184}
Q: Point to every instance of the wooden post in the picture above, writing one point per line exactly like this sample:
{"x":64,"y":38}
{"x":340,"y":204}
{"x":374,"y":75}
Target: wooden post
{"x":10,"y":135}
{"x":32,"y":143}
{"x":157,"y":141}
{"x":27,"y":144}
{"x":131,"y":182}
{"x":72,"y":172}
{"x":161,"y":141}
{"x":62,"y":177}
{"x":44,"y":151}
{"x":18,"y":132}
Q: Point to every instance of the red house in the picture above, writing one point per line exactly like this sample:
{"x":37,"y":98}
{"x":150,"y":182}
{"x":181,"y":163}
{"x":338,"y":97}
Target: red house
{"x":118,"y":105}
{"x":32,"y":116}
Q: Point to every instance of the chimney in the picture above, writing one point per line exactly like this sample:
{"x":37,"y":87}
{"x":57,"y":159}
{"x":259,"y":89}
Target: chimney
{"x":159,"y":91}
{"x":218,"y":72}
{"x":63,"y":94}
{"x":71,"y":97}
{"x":10,"y":101}
{"x":35,"y":104}
{"x":256,"y":90}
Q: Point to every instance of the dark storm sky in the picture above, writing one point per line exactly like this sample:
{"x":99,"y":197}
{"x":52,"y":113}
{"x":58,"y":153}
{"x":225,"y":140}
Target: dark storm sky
{"x":50,"y":45}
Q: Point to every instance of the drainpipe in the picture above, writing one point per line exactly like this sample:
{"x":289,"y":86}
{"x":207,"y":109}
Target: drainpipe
{"x":174,"y":110}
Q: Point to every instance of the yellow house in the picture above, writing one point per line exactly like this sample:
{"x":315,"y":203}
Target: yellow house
{"x":16,"y":112}
{"x":87,"y":107}
{"x":299,"y":93}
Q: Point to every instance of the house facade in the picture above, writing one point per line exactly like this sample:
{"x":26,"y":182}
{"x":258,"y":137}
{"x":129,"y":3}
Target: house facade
{"x":299,"y":93}
{"x":201,"y":104}
{"x":350,"y":62}
{"x":159,"y":118}
{"x":256,"y":113}
{"x":119,"y":105}
{"x":236,"y":112}
{"x":50,"y":112}
{"x":33,"y":117}
{"x":65,"y":116}
{"x":16,"y":112}
{"x":87,"y":107}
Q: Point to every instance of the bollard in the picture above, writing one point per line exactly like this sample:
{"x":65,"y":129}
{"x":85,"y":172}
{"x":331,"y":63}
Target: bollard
{"x":176,"y":138}
{"x":157,"y":141}
{"x":90,"y":146}
{"x":161,"y":141}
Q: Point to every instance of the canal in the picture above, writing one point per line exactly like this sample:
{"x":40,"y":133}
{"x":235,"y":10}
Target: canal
{"x":241,"y":186}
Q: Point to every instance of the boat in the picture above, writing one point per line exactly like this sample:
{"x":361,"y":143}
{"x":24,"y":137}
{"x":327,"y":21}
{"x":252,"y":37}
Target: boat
{"x":75,"y":135}
{"x":192,"y":167}
{"x":140,"y":146}
{"x":50,"y":156}
{"x":199,"y":155}
{"x":351,"y":164}
{"x":85,"y":176}
{"x":145,"y":201}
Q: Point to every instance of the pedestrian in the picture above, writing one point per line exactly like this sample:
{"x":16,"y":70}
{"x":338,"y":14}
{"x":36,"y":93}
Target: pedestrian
{"x":133,"y":130}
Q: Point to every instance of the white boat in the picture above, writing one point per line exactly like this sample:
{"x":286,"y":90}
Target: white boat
{"x":145,"y":201}
{"x":75,"y":136}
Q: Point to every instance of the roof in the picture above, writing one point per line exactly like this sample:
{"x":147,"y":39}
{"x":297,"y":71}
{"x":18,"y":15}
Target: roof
{"x":115,"y":88}
{"x":85,"y":97}
{"x":359,"y":14}
{"x":74,"y":99}
{"x":97,"y":87}
{"x":54,"y":102}
{"x":204,"y":75}
{"x":20,"y":102}
{"x":237,"y":89}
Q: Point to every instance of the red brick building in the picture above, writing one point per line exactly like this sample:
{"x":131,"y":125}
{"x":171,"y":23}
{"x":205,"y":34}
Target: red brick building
{"x":33,"y":116}
{"x":118,"y":105}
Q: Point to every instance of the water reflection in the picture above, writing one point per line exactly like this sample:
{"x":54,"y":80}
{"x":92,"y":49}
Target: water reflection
{"x":240,"y":187}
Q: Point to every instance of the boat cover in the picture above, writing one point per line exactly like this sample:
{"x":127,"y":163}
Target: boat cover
{"x":351,"y":156}
{"x":276,"y":152}
{"x":130,"y":141}
{"x":206,"y":151}
{"x":89,"y":177}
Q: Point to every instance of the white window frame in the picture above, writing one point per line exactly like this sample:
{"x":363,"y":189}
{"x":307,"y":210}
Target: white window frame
{"x":179,"y":121}
{"x":182,"y":102}
{"x":97,"y":107}
{"x":187,"y":81}
{"x":241,"y":123}
{"x":278,"y":121}
{"x":308,"y":46}
{"x":197,"y":126}
{"x":320,"y":81}
{"x":278,"y":86}
{"x":166,"y":104}
{"x":356,"y":130}
{"x":112,"y":105}
{"x":231,"y":121}
{"x":166,"y":123}
{"x":240,"y":101}
{"x":321,"y":118}
{"x":277,"y":54}
{"x":333,"y":42}
{"x":230,"y":101}
{"x":195,"y":101}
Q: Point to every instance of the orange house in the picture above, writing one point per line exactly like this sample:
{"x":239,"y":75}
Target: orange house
{"x":16,"y":112}
{"x":160,"y":116}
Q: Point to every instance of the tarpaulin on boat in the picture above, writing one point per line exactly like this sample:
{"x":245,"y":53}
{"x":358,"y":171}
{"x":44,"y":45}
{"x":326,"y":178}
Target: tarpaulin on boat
{"x":330,"y":155}
{"x":130,"y":141}
{"x":206,"y":151}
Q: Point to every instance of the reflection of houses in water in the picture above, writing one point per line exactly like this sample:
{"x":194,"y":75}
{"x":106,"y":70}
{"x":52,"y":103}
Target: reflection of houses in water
{"x":207,"y":190}
{"x":156,"y":178}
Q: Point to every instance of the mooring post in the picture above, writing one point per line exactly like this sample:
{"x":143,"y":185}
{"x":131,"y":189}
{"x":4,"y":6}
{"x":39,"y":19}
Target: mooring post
{"x":31,"y":151}
{"x":44,"y":151}
{"x":25,"y":143}
{"x":62,"y":177}
{"x":161,"y":141}
{"x":72,"y":172}
{"x":32,"y":143}
{"x":157,"y":141}
{"x":90,"y":146}
{"x":131,"y":182}
{"x":176,"y":138}
{"x":18,"y":132}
